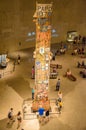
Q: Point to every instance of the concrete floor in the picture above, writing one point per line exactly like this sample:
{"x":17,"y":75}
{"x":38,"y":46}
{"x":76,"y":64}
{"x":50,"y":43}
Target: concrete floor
{"x":16,"y":87}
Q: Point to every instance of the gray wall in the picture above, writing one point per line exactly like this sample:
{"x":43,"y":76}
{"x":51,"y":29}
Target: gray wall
{"x":16,"y":20}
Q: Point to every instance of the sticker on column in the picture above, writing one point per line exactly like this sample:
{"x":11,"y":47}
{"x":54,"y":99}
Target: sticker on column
{"x":41,"y":51}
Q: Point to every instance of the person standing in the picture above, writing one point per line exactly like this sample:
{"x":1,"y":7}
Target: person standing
{"x":33,"y":72}
{"x":58,"y":85}
{"x":41,"y":113}
{"x":59,"y":96}
{"x":47,"y":115}
{"x":60,"y":105}
{"x":10,"y":116}
{"x":33,"y":92}
{"x":19,"y":119}
{"x":19,"y":58}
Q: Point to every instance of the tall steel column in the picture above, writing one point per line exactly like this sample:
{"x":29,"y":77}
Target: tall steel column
{"x":42,"y":54}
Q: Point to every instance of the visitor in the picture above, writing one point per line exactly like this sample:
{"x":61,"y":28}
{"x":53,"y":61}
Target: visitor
{"x":78,"y":64}
{"x":62,"y":51}
{"x":33,"y":72}
{"x":33,"y":92}
{"x":58,"y":85}
{"x":54,"y":70}
{"x":84,"y":73}
{"x":10,"y":116}
{"x":60,"y":105}
{"x":53,"y":58}
{"x":75,"y":51}
{"x":47,"y":115}
{"x":19,"y":58}
{"x":41,"y":113}
{"x":83,"y":63}
{"x":19,"y":119}
{"x":59,"y":96}
{"x":68,"y":72}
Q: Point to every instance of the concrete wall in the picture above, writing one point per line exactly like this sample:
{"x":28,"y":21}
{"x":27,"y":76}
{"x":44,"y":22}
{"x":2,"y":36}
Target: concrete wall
{"x":16,"y":20}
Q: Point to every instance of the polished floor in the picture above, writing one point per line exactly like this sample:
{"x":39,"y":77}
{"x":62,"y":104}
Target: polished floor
{"x":16,"y":86}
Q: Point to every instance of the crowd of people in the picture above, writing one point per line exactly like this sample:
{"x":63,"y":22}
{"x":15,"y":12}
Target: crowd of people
{"x":44,"y":115}
{"x":78,"y":50}
{"x":80,"y":39}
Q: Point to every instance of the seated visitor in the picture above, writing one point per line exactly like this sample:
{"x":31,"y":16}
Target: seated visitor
{"x":65,"y":47}
{"x":79,"y":51}
{"x":75,"y":51}
{"x":78,"y":64}
{"x":82,"y":50}
{"x":84,"y":73}
{"x":54,"y":70}
{"x":62,"y":50}
{"x":53,"y":58}
{"x":83,"y":63}
{"x":57,"y":52}
{"x":68,"y":72}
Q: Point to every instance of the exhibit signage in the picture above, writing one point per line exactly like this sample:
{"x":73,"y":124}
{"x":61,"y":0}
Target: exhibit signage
{"x":43,"y":10}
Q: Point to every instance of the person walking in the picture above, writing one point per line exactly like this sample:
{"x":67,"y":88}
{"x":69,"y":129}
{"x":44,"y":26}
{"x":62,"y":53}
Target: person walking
{"x":59,"y":96}
{"x":10,"y":116}
{"x":58,"y":85}
{"x":33,"y":92}
{"x":60,"y":105}
{"x":19,"y":119}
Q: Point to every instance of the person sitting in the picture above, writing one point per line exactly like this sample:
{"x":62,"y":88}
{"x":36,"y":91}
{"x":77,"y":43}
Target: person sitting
{"x":78,"y":64}
{"x":53,"y":58}
{"x":70,"y":76}
{"x":57,"y":52}
{"x":68,"y":72}
{"x":83,"y":63}
{"x":54,"y":70}
{"x":84,"y":73}
{"x":62,"y":51}
{"x":82,"y":50}
{"x":79,"y":51}
{"x":75,"y":51}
